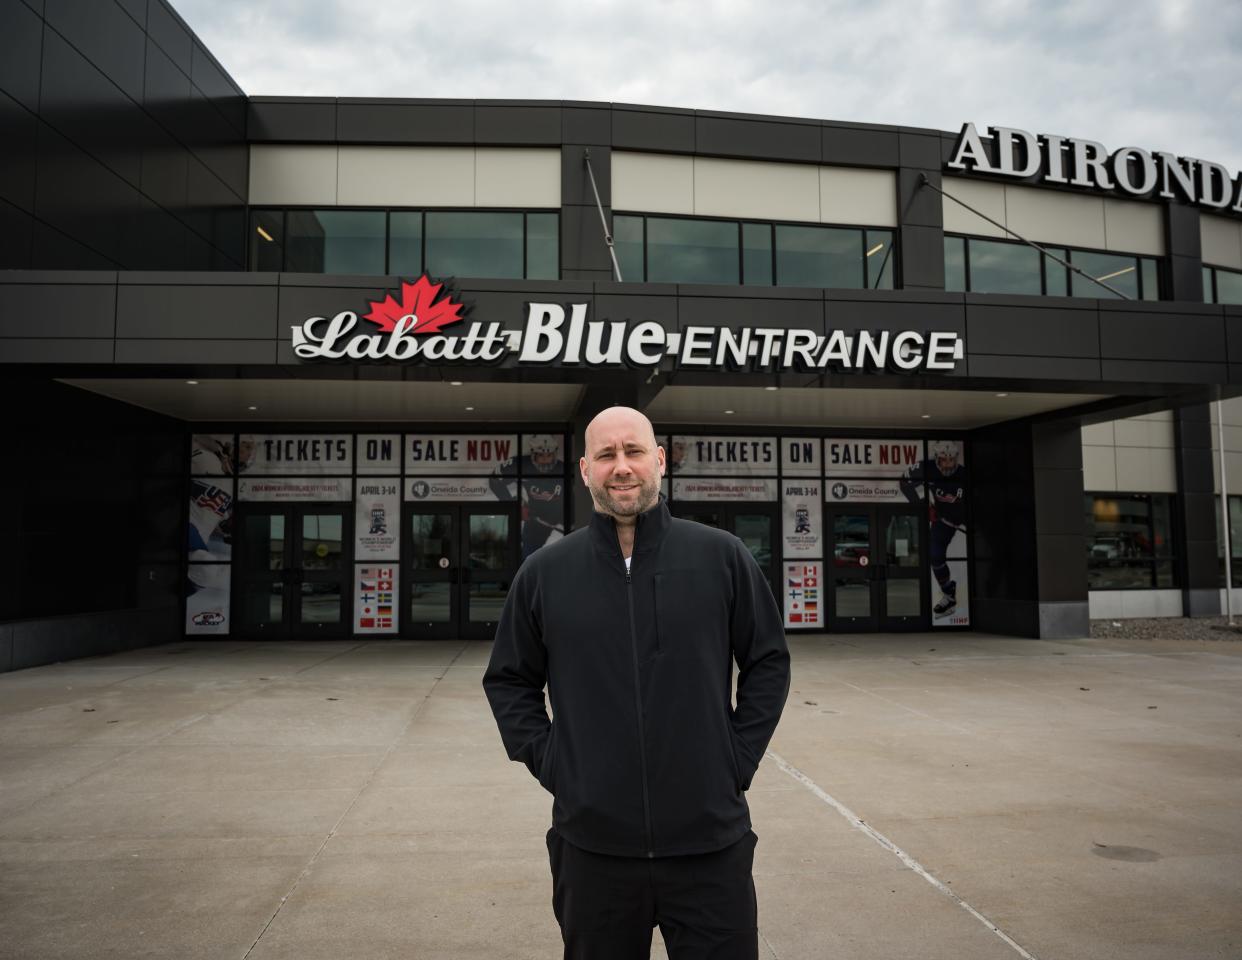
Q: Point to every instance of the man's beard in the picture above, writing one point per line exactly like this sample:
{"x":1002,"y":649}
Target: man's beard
{"x":648,"y":494}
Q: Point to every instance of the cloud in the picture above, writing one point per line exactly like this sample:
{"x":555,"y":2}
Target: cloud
{"x":1161,"y":74}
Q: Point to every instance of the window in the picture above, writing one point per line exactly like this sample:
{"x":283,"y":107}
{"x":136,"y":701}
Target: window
{"x":696,"y":250}
{"x":1222,"y":286}
{"x":1004,"y":266}
{"x":444,"y":243}
{"x":1129,"y":541}
{"x":1235,"y":540}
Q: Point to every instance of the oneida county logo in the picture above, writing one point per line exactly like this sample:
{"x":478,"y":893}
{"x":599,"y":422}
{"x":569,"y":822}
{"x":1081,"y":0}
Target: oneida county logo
{"x":412,"y":329}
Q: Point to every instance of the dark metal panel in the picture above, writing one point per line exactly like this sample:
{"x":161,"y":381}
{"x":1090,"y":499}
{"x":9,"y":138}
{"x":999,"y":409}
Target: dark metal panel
{"x":1233,"y":332}
{"x":23,"y":46}
{"x":1186,"y":278}
{"x":576,"y":185}
{"x":19,"y":132}
{"x":196,"y":312}
{"x":78,"y":195}
{"x":164,"y":171}
{"x":306,"y":120}
{"x":586,"y":124}
{"x":53,"y":250}
{"x":1078,"y":370}
{"x":1059,"y":494}
{"x":919,"y":150}
{"x":1047,"y":330}
{"x":214,"y":212}
{"x":80,"y":102}
{"x":870,"y":312}
{"x":216,"y":143}
{"x":16,"y":237}
{"x":167,"y":94}
{"x":6,"y":647}
{"x":57,"y":310}
{"x":57,"y":351}
{"x":638,"y":309}
{"x":851,"y":146}
{"x":166,"y":29}
{"x":582,"y":239}
{"x":196,"y":351}
{"x":768,"y":140}
{"x":219,"y":88}
{"x":135,"y":8}
{"x":106,"y":36}
{"x":1162,"y":371}
{"x":517,"y":124}
{"x":400,"y":121}
{"x":1183,"y":238}
{"x":922,"y":256}
{"x":1062,"y":562}
{"x":706,"y":309}
{"x":1161,"y":332}
{"x":672,"y":131}
{"x":917,"y":204}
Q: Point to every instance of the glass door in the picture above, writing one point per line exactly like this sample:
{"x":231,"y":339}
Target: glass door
{"x":291,"y":578}
{"x":851,"y":573}
{"x":755,"y":525}
{"x":460,"y":560}
{"x":903,"y":579}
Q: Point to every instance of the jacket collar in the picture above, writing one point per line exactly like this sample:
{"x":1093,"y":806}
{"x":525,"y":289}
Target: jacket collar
{"x":652,"y":525}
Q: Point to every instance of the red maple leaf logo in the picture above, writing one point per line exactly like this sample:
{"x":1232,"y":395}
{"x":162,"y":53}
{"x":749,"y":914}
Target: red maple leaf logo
{"x":417,"y":299}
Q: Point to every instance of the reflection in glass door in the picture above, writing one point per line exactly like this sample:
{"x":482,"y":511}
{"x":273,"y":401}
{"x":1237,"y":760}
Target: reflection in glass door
{"x":291,"y":579}
{"x":459,"y":561}
{"x":877,"y":579}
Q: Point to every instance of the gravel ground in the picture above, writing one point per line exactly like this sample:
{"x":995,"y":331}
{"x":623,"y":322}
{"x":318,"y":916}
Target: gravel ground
{"x":1168,"y":628}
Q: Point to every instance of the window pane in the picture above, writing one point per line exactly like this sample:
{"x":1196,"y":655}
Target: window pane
{"x":757,"y":254}
{"x":1208,"y":296}
{"x":627,"y":241}
{"x":1118,"y":272}
{"x":1162,"y":525}
{"x":818,"y":257}
{"x":1056,"y":277}
{"x":1120,"y":575}
{"x":336,"y":241}
{"x":1151,"y":279}
{"x":405,"y":244}
{"x":692,"y":251}
{"x":1165,"y":574}
{"x":1228,"y":286}
{"x":879,"y":259}
{"x":474,"y":245}
{"x":267,"y":240}
{"x":1235,"y":526}
{"x":543,"y":261}
{"x":954,"y":264}
{"x":1004,"y":268}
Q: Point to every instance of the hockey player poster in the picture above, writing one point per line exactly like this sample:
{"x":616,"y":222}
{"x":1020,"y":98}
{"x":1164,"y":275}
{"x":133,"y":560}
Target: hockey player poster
{"x":944,"y":475}
{"x":543,"y":490}
{"x":211,"y":520}
{"x":377,"y":518}
{"x":375,"y":608}
{"x":804,"y":596}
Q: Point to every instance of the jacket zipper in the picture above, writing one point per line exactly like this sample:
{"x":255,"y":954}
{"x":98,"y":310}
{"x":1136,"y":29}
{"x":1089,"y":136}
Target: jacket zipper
{"x":638,"y":709}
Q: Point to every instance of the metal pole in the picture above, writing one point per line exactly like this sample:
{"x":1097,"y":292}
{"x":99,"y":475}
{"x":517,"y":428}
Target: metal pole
{"x":1224,"y":511}
{"x":603,"y":221}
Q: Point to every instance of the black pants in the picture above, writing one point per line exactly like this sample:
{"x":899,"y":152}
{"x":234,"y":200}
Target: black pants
{"x":608,"y":906}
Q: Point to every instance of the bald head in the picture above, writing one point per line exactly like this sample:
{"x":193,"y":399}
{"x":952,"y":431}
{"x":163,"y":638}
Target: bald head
{"x":623,"y":464}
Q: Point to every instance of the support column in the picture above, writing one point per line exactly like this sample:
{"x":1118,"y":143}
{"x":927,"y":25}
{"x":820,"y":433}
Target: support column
{"x":1029,"y":539}
{"x":920,"y":212}
{"x":1196,"y":509}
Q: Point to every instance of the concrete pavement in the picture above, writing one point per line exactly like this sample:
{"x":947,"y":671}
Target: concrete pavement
{"x":232,"y":800}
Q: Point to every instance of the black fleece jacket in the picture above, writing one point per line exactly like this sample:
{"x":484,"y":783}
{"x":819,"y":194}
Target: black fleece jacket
{"x":646,"y":756}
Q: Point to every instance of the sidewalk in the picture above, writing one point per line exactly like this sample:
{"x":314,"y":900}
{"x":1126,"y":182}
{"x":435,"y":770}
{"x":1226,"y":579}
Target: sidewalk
{"x":333,"y":800}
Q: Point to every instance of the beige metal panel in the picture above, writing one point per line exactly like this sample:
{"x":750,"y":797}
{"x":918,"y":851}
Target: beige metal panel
{"x":1222,"y":241}
{"x":1233,"y":466}
{"x":1099,"y":469}
{"x":1160,"y":434}
{"x":1104,"y":604}
{"x":293,"y":175}
{"x":751,"y":188}
{"x":1133,"y":469}
{"x":1233,"y":413}
{"x":987,"y":198}
{"x":1162,"y":470}
{"x":517,"y":178}
{"x":652,"y":183}
{"x":1098,"y":434}
{"x":1133,"y":227}
{"x":867,"y":197}
{"x":1151,"y":603}
{"x":407,"y":176}
{"x":1130,"y":433}
{"x":1048,"y":216}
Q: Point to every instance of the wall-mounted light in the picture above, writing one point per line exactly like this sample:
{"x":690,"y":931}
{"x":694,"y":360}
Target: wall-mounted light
{"x":264,"y":234}
{"x":876,"y":249}
{"x":1115,"y":273}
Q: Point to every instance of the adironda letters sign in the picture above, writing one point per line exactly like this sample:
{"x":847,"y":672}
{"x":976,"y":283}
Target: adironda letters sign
{"x":424,"y":327}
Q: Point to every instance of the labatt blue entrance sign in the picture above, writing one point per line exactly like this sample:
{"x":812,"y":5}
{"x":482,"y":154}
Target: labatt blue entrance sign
{"x":564,"y":334}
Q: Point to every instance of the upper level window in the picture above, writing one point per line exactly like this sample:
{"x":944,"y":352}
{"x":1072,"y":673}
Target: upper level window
{"x":444,"y":243}
{"x":1221,"y":285}
{"x":685,"y":250}
{"x":1003,"y":266}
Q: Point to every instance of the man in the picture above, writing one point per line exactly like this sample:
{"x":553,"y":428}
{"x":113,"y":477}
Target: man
{"x":946,"y":479}
{"x":632,"y":622}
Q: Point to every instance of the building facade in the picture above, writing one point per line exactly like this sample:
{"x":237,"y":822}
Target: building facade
{"x":298,"y":367}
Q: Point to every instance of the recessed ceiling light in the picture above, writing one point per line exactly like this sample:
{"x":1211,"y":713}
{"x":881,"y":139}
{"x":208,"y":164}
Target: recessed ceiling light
{"x":771,"y":388}
{"x":252,"y":408}
{"x":469,"y":408}
{"x":193,"y":383}
{"x":1002,"y":394}
{"x":454,"y":383}
{"x":925,"y":416}
{"x":728,"y":411}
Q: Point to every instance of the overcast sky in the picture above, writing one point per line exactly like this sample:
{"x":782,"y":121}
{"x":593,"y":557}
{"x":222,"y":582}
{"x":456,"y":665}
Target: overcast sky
{"x":1159,"y":74}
